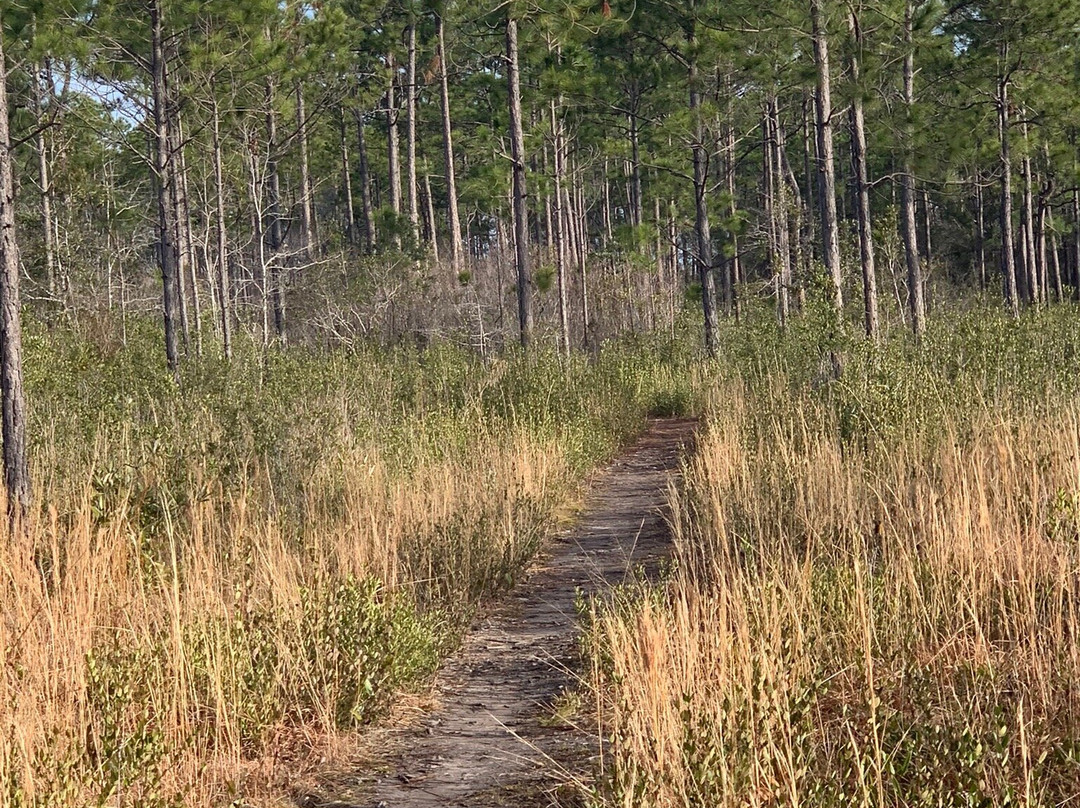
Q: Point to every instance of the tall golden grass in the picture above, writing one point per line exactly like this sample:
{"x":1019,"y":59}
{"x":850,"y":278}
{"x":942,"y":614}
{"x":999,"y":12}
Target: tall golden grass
{"x":150,"y":662}
{"x":880,"y":622}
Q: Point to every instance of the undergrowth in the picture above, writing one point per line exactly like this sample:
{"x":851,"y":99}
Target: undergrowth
{"x":875,"y":600}
{"x":219,"y":576}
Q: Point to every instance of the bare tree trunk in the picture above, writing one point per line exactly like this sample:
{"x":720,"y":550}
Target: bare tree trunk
{"x":16,"y":467}
{"x":367,"y":208}
{"x":177,"y":218}
{"x":1031,"y":257}
{"x":606,"y":213}
{"x":273,"y":213}
{"x":517,"y":148}
{"x":636,"y":208}
{"x":826,"y":163}
{"x":862,"y":184}
{"x":431,"y":219}
{"x":187,"y":238}
{"x":701,"y":212}
{"x":307,"y":216}
{"x":980,"y":234}
{"x":734,"y":270}
{"x":448,"y":151}
{"x":1008,"y":259}
{"x":259,"y":243}
{"x":558,"y":228}
{"x":772,"y":213}
{"x":162,"y":172}
{"x":410,"y":134}
{"x":779,"y":205}
{"x":45,"y":186}
{"x":346,"y":180}
{"x":908,"y":225}
{"x":224,"y":293}
{"x":393,"y":148}
{"x":1055,"y":260}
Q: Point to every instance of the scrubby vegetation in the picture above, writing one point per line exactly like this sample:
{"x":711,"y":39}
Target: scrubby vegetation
{"x":226,"y":572}
{"x":875,"y":600}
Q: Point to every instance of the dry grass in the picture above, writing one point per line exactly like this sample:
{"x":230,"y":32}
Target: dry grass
{"x":142,"y":675}
{"x":883,"y":622}
{"x":224,"y":582}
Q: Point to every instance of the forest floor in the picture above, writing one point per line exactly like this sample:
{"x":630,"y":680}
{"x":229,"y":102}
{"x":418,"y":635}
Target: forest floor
{"x":503,"y":730}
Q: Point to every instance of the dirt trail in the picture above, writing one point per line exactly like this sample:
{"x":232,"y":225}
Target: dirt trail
{"x":492,"y":741}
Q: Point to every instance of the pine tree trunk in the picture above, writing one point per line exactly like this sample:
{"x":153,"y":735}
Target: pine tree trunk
{"x":780,"y":196}
{"x":273,"y":214}
{"x":1051,"y":246}
{"x":558,"y":228}
{"x":701,"y":211}
{"x":44,"y":183}
{"x":224,"y":293}
{"x":862,"y":185}
{"x":259,"y":244}
{"x":187,"y":237}
{"x":346,"y":181}
{"x":517,"y":147}
{"x":367,"y":207}
{"x":411,"y":189}
{"x":636,"y":214}
{"x":772,"y":209}
{"x":393,"y":148}
{"x":606,"y":201}
{"x":908,"y":224}
{"x":980,"y":234}
{"x":734,"y":269}
{"x":1031,"y":258}
{"x":830,"y":227}
{"x":1076,"y":243}
{"x":432,"y":225}
{"x":177,"y":219}
{"x":307,"y":216}
{"x":16,"y":466}
{"x":1008,"y":259}
{"x":453,"y":217}
{"x":162,"y":171}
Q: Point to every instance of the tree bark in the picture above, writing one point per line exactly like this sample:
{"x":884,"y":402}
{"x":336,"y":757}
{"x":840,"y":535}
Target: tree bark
{"x":367,"y":207}
{"x":908,"y":224}
{"x":781,"y":210}
{"x":162,"y":171}
{"x":393,"y":147}
{"x":980,"y":234}
{"x":701,"y":211}
{"x":1076,"y":243}
{"x":453,"y":217}
{"x":16,"y":466}
{"x":432,"y":226}
{"x":346,"y":181}
{"x":307,"y":216}
{"x":410,"y":134}
{"x":558,"y":228}
{"x":636,"y":208}
{"x":830,"y":228}
{"x":188,"y":235}
{"x":774,"y":212}
{"x":44,"y":183}
{"x":517,"y":147}
{"x":862,"y":184}
{"x":224,"y":293}
{"x":273,"y":214}
{"x":1033,"y":271}
{"x":1008,"y":258}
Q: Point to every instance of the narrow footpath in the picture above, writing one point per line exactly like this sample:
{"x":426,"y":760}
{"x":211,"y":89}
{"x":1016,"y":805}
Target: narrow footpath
{"x":494,"y":740}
